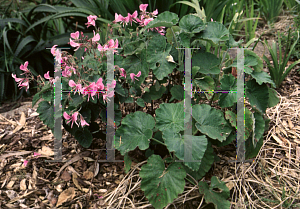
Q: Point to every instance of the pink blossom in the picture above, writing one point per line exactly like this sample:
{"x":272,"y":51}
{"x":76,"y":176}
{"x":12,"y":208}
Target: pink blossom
{"x":77,"y":86}
{"x":72,"y":118}
{"x":75,"y":35}
{"x":53,"y":50}
{"x":66,"y":73}
{"x":35,"y":154}
{"x":123,"y":73}
{"x":146,"y":21}
{"x":132,"y":76}
{"x":155,"y":12}
{"x":24,"y":67}
{"x":111,"y":94}
{"x":143,"y":7}
{"x":25,"y":163}
{"x":83,"y":122}
{"x":17,"y":79}
{"x":96,"y":37}
{"x":90,"y":90}
{"x":118,"y":18}
{"x":46,"y":75}
{"x":25,"y":84}
{"x":104,"y":48}
{"x":91,"y":20}
{"x":72,"y":43}
{"x":112,"y":85}
{"x":130,"y":18}
{"x":58,"y":56}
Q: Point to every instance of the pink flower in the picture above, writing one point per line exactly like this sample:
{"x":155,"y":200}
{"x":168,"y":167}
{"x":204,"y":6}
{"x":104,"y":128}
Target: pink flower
{"x":143,"y":7}
{"x":123,"y":73}
{"x":83,"y":122}
{"x":146,"y":21}
{"x":25,"y":163}
{"x":90,"y":90}
{"x":35,"y":154}
{"x":58,"y":56}
{"x":112,"y":85}
{"x":66,"y":73}
{"x":100,"y":84}
{"x":130,"y":18}
{"x":104,"y":48}
{"x":53,"y":50}
{"x":91,"y":20}
{"x":155,"y":12}
{"x":46,"y":75}
{"x":132,"y":76}
{"x":75,"y":35}
{"x":111,"y":94}
{"x":118,"y":18}
{"x":211,"y":20}
{"x":72,"y":43}
{"x":24,"y":67}
{"x":17,"y":79}
{"x":111,"y":43}
{"x":25,"y":84}
{"x":72,"y":118}
{"x":96,"y":37}
{"x":77,"y":86}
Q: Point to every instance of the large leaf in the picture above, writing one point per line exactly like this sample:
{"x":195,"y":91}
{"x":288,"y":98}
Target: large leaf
{"x":46,"y":113}
{"x":206,"y":83}
{"x":258,"y":95}
{"x":196,"y":147}
{"x":262,"y":77}
{"x":218,"y":198}
{"x":211,"y":122}
{"x":136,"y":130}
{"x":215,"y":32}
{"x":157,"y":53}
{"x":170,"y":116}
{"x":84,"y":137}
{"x":228,"y":83}
{"x":166,"y":19}
{"x":207,"y":62}
{"x":161,"y":186}
{"x":273,"y":99}
{"x":259,"y":128}
{"x":191,"y":24}
{"x":206,"y":163}
{"x":177,"y":93}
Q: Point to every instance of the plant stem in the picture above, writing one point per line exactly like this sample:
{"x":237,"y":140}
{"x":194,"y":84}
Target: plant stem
{"x":179,"y":52}
{"x":158,"y":141}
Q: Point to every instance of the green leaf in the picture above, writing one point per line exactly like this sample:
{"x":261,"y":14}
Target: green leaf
{"x":170,"y":116}
{"x":218,"y":198}
{"x":184,"y":39}
{"x":206,"y":83}
{"x":196,"y":147}
{"x":273,"y":99}
{"x":134,"y":47}
{"x":228,"y":140}
{"x":161,"y":186}
{"x":177,"y":93}
{"x":46,"y":113}
{"x":134,"y":64}
{"x":207,"y":62}
{"x":259,"y":128}
{"x":76,"y":99}
{"x":262,"y":77}
{"x":252,"y":151}
{"x":191,"y":24}
{"x":258,"y":95}
{"x":157,"y":52}
{"x":215,"y":32}
{"x":211,"y":122}
{"x":231,"y":117}
{"x":136,"y":130}
{"x":228,"y":83}
{"x":84,"y":137}
{"x":35,"y":99}
{"x":48,"y":96}
{"x":140,"y":102}
{"x":166,"y":19}
{"x":155,"y":95}
{"x":206,"y":163}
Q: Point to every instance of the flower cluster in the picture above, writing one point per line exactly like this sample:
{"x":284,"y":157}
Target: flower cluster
{"x":23,"y":82}
{"x":144,"y":19}
{"x":73,"y":118}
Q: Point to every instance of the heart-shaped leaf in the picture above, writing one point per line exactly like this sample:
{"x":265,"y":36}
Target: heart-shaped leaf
{"x":166,"y":19}
{"x":136,"y":130}
{"x":191,"y":24}
{"x":170,"y":116}
{"x":211,"y":122}
{"x":161,"y":186}
{"x":215,"y":32}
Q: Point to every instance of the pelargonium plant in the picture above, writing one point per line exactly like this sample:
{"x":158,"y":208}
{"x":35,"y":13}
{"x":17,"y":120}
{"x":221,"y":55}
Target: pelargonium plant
{"x":157,"y":51}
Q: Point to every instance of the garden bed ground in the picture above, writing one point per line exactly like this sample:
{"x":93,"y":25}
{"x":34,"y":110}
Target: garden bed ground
{"x":72,"y":182}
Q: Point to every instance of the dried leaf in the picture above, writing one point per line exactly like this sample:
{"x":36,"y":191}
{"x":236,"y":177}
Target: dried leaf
{"x":65,"y":176}
{"x":65,"y":196}
{"x":23,"y":186}
{"x":88,"y":175}
{"x":46,"y":151}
